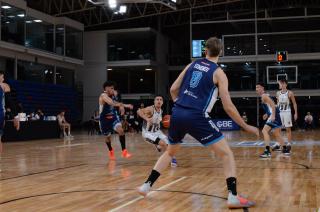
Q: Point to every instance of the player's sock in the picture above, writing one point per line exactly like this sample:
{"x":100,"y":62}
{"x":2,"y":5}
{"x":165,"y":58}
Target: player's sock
{"x":153,"y":177}
{"x":268,"y":148}
{"x":232,"y":185}
{"x":109,"y":146}
{"x":122,"y":139}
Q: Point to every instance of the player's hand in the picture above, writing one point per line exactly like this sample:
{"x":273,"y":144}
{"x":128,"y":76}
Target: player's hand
{"x":265,"y":116}
{"x":252,"y":129}
{"x":272,"y":118}
{"x":295,"y":117}
{"x":129,"y":106}
{"x":122,"y":110}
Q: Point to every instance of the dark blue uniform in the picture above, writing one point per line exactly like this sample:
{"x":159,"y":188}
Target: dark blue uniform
{"x":277,"y":121}
{"x":196,"y":99}
{"x":2,"y":110}
{"x":109,"y":119}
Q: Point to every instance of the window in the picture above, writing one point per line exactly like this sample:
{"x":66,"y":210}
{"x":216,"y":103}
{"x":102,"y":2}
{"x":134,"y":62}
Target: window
{"x":74,"y":43}
{"x":7,"y":66}
{"x":131,"y":46}
{"x":59,"y":48}
{"x":12,"y":24}
{"x":39,"y":34}
{"x":35,"y":72}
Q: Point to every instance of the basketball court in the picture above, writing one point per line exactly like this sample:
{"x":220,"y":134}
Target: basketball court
{"x":60,"y":57}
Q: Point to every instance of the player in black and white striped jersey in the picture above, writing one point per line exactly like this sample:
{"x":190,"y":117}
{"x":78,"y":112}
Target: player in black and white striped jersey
{"x":284,"y":98}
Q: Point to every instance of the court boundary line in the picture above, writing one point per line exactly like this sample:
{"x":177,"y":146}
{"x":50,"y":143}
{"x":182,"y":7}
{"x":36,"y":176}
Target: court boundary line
{"x":51,"y":170}
{"x":140,"y":197}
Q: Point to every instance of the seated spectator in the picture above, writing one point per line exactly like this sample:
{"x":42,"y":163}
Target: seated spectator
{"x":9,"y":114}
{"x":40,"y":114}
{"x":308,"y":121}
{"x":64,"y":125}
{"x":133,"y":124}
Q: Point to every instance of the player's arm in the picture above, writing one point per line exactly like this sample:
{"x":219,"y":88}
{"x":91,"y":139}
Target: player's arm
{"x":266,"y":99}
{"x":221,"y":80}
{"x":294,"y":103}
{"x":145,"y":113}
{"x":110,"y":101}
{"x":175,"y":88}
{"x":5,"y":87}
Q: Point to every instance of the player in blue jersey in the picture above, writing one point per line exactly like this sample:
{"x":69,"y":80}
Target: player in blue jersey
{"x":272,"y":115}
{"x":109,"y":119}
{"x":4,"y":88}
{"x":195,"y":92}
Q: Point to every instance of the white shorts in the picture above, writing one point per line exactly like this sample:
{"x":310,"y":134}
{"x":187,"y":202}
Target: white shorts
{"x":286,"y":119}
{"x":153,"y":136}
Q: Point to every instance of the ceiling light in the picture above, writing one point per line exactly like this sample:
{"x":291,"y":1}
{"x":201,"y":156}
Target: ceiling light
{"x":109,"y":69}
{"x":10,"y":16}
{"x":5,"y":7}
{"x":112,"y":4}
{"x":21,"y":15}
{"x":37,"y":21}
{"x":148,"y":69}
{"x":123,"y":9}
{"x":28,"y":22}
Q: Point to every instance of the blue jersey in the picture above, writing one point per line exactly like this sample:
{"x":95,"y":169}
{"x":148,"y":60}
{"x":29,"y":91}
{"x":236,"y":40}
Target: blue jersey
{"x":268,"y":110}
{"x":2,"y":100}
{"x":197,"y":91}
{"x":108,"y":119}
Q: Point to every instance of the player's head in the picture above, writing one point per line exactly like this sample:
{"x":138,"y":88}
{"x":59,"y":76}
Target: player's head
{"x":108,"y":87}
{"x":260,"y":88}
{"x":283,"y":83}
{"x":1,"y":76}
{"x":158,"y":101}
{"x":213,"y":47}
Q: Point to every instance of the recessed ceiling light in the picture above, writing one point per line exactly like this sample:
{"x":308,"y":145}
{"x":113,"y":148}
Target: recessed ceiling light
{"x":5,"y":7}
{"x":21,"y":15}
{"x":148,"y":69}
{"x":37,"y":21}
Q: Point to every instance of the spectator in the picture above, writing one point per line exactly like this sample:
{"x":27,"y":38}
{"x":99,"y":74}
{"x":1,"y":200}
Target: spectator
{"x":40,"y":115}
{"x":308,"y":121}
{"x":9,"y":114}
{"x":133,"y":124}
{"x":64,"y":125}
{"x":244,"y":117}
{"x":140,"y":120}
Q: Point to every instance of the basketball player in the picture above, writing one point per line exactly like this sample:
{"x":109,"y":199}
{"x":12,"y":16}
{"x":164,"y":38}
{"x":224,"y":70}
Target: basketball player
{"x":272,"y":115}
{"x":194,"y":92}
{"x":284,"y":96}
{"x":109,"y":120}
{"x":4,"y":88}
{"x":151,"y":132}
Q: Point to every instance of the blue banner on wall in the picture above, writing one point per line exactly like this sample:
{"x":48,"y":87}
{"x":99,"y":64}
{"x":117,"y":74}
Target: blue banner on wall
{"x":226,"y":124}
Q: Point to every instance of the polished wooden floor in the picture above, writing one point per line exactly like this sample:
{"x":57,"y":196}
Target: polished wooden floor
{"x":58,"y":175}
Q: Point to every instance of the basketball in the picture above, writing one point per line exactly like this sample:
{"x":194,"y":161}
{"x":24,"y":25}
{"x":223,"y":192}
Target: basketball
{"x":166,"y":121}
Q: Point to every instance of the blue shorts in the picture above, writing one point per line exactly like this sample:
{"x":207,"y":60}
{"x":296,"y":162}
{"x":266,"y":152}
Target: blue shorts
{"x":276,"y":123}
{"x":194,"y":123}
{"x":108,"y":123}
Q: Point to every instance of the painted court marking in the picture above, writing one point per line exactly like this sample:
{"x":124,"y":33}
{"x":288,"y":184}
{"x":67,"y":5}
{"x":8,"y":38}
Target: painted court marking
{"x":141,"y":197}
{"x":69,"y":145}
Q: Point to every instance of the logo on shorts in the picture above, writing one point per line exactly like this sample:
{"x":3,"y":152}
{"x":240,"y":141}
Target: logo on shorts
{"x":213,"y":125}
{"x":206,"y":138}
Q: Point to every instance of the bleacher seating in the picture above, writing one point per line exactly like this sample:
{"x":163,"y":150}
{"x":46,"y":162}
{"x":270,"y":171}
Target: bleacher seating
{"x":49,"y":98}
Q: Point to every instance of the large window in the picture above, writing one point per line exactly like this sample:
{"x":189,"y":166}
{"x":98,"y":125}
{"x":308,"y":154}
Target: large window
{"x":74,"y":42}
{"x":133,"y":80}
{"x":239,"y":45}
{"x":242,"y":76}
{"x":7,"y":66}
{"x":65,"y":77}
{"x":12,"y":24}
{"x":39,"y":34}
{"x":131,"y":46}
{"x":35,"y":72}
{"x":59,"y":48}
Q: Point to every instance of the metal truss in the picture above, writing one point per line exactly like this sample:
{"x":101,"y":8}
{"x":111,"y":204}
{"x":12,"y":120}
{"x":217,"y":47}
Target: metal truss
{"x":92,"y":15}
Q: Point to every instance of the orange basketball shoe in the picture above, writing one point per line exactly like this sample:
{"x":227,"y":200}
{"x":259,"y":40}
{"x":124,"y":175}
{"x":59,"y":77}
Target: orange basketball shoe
{"x":111,"y":155}
{"x":125,"y":154}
